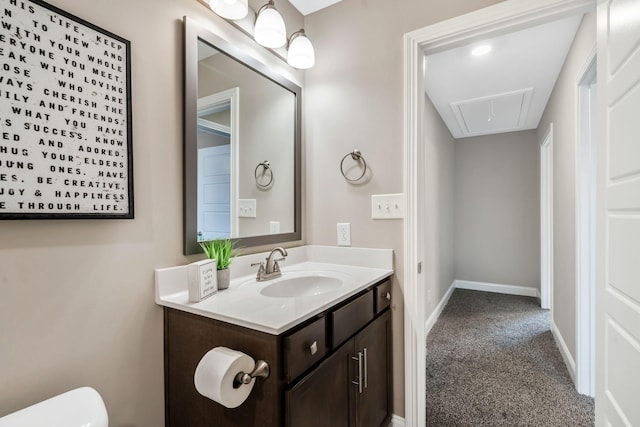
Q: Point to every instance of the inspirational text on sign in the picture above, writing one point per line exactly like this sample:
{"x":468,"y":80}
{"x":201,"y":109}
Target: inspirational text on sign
{"x":64,"y":116}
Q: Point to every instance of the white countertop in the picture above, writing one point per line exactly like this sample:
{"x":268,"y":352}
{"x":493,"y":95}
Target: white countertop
{"x":243,"y":304}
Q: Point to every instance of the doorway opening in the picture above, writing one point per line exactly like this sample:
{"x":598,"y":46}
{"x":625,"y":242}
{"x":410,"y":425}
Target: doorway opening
{"x":499,"y":18}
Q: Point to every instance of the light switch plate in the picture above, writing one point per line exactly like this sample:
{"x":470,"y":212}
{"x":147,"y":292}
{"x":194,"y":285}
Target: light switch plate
{"x":246,"y":208}
{"x":344,"y":234}
{"x":274,"y":227}
{"x":387,"y":206}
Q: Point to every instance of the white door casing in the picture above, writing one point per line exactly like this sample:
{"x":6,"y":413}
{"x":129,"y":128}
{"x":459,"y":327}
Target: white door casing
{"x":618,"y":215}
{"x":499,"y":18}
{"x":586,"y":227}
{"x":546,"y":221}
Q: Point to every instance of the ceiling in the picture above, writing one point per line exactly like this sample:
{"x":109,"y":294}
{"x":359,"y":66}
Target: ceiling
{"x":504,"y":90}
{"x":307,"y":7}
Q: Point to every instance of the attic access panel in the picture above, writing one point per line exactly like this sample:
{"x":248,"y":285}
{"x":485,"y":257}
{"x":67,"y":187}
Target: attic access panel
{"x":505,"y":112}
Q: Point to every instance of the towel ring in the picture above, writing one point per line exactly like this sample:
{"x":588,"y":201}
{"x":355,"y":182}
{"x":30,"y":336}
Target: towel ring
{"x":357,"y":156}
{"x":266,"y":166}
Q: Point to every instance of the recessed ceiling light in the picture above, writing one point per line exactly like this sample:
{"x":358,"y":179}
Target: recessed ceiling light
{"x":483,"y":49}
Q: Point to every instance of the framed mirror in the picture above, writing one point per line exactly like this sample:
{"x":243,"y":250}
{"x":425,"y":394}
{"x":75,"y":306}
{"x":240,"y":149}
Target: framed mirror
{"x":242,"y":131}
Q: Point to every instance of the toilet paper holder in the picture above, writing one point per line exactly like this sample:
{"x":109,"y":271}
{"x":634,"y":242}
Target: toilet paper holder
{"x":261,"y":370}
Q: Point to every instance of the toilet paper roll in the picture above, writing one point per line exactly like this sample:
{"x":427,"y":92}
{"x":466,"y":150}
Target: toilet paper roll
{"x":215,"y":374}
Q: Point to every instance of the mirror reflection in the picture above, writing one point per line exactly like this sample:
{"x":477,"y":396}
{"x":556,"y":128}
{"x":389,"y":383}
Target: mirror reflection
{"x":246,"y":146}
{"x":242,"y":138}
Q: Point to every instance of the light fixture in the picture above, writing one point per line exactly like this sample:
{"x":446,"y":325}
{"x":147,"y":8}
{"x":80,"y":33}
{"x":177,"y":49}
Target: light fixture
{"x":230,"y":9}
{"x":301,"y":54}
{"x":270,"y":30}
{"x":483,"y":49}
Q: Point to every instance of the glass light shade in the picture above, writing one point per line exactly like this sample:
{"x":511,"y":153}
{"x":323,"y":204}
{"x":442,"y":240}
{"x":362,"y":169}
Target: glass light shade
{"x":230,"y":9}
{"x":301,"y":53}
{"x":270,"y":30}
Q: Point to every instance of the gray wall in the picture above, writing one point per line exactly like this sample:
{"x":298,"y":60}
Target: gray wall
{"x":439,"y":204}
{"x":354,"y":99}
{"x":77,"y":297}
{"x":497,"y":209}
{"x":561,"y":111}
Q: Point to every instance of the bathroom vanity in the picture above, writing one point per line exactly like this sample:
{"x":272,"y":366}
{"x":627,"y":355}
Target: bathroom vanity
{"x":329,"y":348}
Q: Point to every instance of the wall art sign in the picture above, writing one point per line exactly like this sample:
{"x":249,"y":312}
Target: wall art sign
{"x":65,"y":116}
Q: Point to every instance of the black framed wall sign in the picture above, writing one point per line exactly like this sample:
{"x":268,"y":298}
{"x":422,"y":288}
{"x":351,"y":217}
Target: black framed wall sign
{"x":65,"y":116}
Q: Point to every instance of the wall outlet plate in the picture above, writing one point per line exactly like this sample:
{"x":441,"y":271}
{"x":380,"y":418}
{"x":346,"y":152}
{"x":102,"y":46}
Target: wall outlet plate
{"x":344,"y":234}
{"x":387,"y":206}
{"x":274,"y":227}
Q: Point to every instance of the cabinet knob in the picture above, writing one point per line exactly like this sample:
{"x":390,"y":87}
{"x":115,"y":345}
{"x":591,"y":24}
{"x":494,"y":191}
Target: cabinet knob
{"x":313,"y":348}
{"x":388,"y":296}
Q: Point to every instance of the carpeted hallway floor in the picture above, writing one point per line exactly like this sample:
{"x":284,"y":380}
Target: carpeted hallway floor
{"x":492,"y":361}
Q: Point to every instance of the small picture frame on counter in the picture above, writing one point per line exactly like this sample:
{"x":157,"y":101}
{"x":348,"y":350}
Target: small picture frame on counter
{"x":202,"y":278}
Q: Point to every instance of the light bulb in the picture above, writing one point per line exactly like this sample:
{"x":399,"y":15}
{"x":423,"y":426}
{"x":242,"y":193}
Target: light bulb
{"x":230,"y":9}
{"x":270,"y":30}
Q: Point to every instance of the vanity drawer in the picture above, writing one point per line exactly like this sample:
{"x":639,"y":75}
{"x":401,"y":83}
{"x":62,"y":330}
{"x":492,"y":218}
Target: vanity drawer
{"x":383,"y":296}
{"x":349,"y":318}
{"x":304,"y":348}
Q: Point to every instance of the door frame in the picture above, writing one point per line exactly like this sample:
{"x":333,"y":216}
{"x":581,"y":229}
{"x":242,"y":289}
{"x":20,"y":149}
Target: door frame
{"x":546,"y":221}
{"x":586,"y":227}
{"x":500,"y":18}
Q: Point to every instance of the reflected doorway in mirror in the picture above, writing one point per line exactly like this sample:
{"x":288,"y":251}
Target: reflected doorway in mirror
{"x":217,"y":182}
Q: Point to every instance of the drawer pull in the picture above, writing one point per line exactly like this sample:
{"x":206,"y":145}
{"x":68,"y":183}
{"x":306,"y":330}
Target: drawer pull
{"x":313,"y":348}
{"x":388,"y":296}
{"x":365,"y":368}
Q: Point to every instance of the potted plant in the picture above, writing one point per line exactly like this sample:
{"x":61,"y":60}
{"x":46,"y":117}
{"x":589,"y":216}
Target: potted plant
{"x":222,"y":251}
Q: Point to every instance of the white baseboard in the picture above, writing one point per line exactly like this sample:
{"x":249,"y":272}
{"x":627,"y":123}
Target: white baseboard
{"x":438,"y":310}
{"x":396,"y":421}
{"x":564,"y":351}
{"x":496,"y":288}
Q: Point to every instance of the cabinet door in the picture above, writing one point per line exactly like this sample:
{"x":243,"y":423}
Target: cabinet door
{"x":321,"y":398}
{"x":374,"y":403}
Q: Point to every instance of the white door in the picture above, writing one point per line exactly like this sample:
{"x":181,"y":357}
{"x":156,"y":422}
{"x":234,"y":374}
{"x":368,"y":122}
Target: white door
{"x":214,"y":192}
{"x":618,"y":269}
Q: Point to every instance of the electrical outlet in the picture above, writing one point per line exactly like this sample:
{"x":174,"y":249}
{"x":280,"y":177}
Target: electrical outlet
{"x":344,"y":234}
{"x":274,"y":227}
{"x":387,"y":206}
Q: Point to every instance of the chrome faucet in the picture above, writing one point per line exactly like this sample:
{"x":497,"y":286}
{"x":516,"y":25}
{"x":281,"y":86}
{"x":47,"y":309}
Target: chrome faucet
{"x":271,"y":270}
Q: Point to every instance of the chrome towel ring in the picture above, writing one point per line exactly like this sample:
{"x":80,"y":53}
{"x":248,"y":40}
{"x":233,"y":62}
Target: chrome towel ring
{"x":266,"y":167}
{"x":356,"y":155}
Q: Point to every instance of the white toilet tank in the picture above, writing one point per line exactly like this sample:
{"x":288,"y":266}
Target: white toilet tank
{"x":82,"y":407}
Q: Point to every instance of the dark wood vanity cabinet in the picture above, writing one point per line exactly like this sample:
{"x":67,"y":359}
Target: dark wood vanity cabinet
{"x":352,"y":387}
{"x":373,"y":403}
{"x":332,"y":370}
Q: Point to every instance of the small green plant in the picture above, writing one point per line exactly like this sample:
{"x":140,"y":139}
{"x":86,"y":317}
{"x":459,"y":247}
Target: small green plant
{"x":221,"y":250}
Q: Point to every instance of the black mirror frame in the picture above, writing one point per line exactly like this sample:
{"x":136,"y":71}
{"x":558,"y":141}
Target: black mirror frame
{"x":192,"y":33}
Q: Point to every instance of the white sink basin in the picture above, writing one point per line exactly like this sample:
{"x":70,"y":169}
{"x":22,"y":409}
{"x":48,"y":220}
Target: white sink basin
{"x":297,"y":284}
{"x":304,"y":286}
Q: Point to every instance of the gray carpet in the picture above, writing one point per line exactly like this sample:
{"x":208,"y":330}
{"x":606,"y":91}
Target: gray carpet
{"x":492,"y":361}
